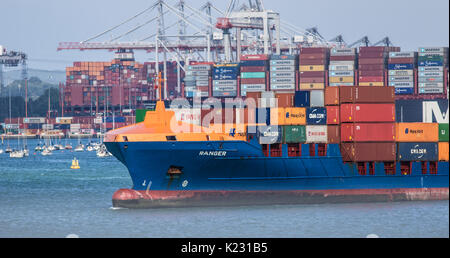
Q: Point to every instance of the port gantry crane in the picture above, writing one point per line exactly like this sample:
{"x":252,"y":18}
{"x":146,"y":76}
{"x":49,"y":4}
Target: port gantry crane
{"x":14,"y":59}
{"x":208,"y":37}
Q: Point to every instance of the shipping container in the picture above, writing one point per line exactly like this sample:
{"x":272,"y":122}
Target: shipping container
{"x":312,"y":86}
{"x":418,"y":151}
{"x":443,"y":151}
{"x":295,"y":116}
{"x":422,"y":111}
{"x":270,"y":134}
{"x":368,"y":132}
{"x":302,"y":99}
{"x":332,"y":96}
{"x":316,"y":116}
{"x":316,"y":134}
{"x":313,"y":68}
{"x":417,"y":132}
{"x":333,"y":133}
{"x":352,"y":113}
{"x":367,"y":95}
{"x":333,"y":115}
{"x":368,"y":152}
{"x":317,"y":98}
{"x":443,"y":133}
{"x":294,"y":134}
{"x":277,"y":116}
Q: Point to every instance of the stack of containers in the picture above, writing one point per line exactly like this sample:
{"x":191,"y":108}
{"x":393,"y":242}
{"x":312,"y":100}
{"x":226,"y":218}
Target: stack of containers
{"x":401,"y":66}
{"x":417,"y":142}
{"x":253,"y":73}
{"x":225,"y":80}
{"x":313,"y":64}
{"x":333,"y":114}
{"x":367,"y":116}
{"x":342,"y":67}
{"x":432,"y":62}
{"x":283,"y":72}
{"x":372,"y":65}
{"x":443,"y":142}
{"x":197,"y":80}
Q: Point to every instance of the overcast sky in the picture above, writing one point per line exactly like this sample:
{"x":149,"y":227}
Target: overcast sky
{"x":36,"y":26}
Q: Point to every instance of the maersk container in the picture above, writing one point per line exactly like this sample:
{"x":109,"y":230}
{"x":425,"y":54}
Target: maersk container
{"x":431,"y":74}
{"x":258,"y":87}
{"x":352,"y":113}
{"x":282,"y":86}
{"x":225,"y":83}
{"x":341,"y":73}
{"x":404,"y":91}
{"x":341,"y":67}
{"x":422,"y":111}
{"x":417,"y":151}
{"x":443,"y":133}
{"x":258,"y":75}
{"x":401,"y":78}
{"x":302,"y":99}
{"x":202,"y":83}
{"x":316,"y":116}
{"x":282,"y":62}
{"x":397,"y":84}
{"x":431,"y":90}
{"x":282,"y":75}
{"x":433,"y":50}
{"x":199,"y":67}
{"x":343,"y":52}
{"x":401,"y":72}
{"x":400,"y":66}
{"x":282,"y":80}
{"x":431,"y":69}
{"x":316,"y":134}
{"x":270,"y":134}
{"x":402,"y":54}
{"x":317,"y":98}
{"x":431,"y":85}
{"x":283,"y":57}
{"x":431,"y":79}
{"x":283,"y":68}
{"x":294,"y":134}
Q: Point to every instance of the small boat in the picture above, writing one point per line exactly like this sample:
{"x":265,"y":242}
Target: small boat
{"x":1,"y":151}
{"x":103,"y":152}
{"x":46,"y":152}
{"x":16,"y":154}
{"x":79,"y":148}
{"x":8,"y":150}
{"x":38,"y":148}
{"x":68,"y":147}
{"x":51,"y":148}
{"x":90,"y":148}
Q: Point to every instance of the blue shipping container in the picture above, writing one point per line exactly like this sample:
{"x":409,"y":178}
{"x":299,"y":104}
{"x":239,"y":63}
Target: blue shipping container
{"x":422,"y":111}
{"x":254,"y":63}
{"x":404,"y":91}
{"x":400,"y":66}
{"x":430,"y":63}
{"x":283,"y":57}
{"x":270,"y":134}
{"x":225,"y":76}
{"x":420,"y":151}
{"x":316,"y":116}
{"x":302,"y":99}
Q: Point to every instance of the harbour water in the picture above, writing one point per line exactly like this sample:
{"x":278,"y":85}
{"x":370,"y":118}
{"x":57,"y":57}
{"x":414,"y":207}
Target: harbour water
{"x":40,"y":196}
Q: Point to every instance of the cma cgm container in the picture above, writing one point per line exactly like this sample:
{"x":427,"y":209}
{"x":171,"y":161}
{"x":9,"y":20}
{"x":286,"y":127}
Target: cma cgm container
{"x":418,"y":151}
{"x":316,"y":116}
{"x":422,"y":111}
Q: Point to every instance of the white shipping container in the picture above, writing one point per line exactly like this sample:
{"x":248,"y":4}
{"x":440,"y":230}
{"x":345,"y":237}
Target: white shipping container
{"x":317,"y":98}
{"x":316,"y":134}
{"x":47,"y":127}
{"x":75,"y":126}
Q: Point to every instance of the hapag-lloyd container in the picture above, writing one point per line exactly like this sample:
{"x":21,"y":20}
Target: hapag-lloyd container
{"x":367,"y":94}
{"x":368,"y":152}
{"x":295,"y":116}
{"x":367,"y":113}
{"x":368,"y":132}
{"x":418,"y":151}
{"x":417,"y":132}
{"x":316,"y":134}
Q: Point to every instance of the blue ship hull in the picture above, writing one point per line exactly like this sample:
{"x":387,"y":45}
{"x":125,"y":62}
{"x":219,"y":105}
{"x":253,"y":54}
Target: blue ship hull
{"x":234,"y":166}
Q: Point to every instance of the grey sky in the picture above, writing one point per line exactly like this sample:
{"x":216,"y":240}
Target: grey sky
{"x":36,"y":27}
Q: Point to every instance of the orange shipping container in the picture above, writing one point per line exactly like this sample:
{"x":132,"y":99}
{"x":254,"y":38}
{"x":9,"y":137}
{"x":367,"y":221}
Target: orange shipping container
{"x":295,"y":116}
{"x":443,"y":151}
{"x":417,"y":132}
{"x":277,"y":116}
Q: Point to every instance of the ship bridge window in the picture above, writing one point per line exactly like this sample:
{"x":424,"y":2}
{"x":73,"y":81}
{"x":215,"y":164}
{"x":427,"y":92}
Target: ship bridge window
{"x":125,"y":139}
{"x":171,"y":138}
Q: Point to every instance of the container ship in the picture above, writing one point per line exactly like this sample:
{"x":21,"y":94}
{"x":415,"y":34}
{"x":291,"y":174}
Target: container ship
{"x":325,"y":126}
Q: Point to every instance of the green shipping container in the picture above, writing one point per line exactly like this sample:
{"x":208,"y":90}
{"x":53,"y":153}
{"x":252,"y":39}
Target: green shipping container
{"x":140,"y":115}
{"x":443,"y":133}
{"x":294,"y":134}
{"x":257,"y":75}
{"x":431,"y":58}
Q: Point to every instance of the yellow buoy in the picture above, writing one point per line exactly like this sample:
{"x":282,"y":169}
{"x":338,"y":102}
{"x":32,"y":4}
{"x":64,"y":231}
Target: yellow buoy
{"x":75,"y":164}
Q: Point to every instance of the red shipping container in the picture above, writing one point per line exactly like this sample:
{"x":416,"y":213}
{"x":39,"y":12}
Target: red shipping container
{"x":372,"y":49}
{"x":254,"y":57}
{"x":372,"y":73}
{"x":333,"y":133}
{"x":314,"y":50}
{"x":364,"y":55}
{"x":368,"y":152}
{"x":368,"y":132}
{"x":342,"y":58}
{"x":410,"y":60}
{"x":332,"y":96}
{"x":352,"y":113}
{"x":312,"y":80}
{"x":312,"y":74}
{"x":333,"y":117}
{"x":253,"y":81}
{"x":253,"y":69}
{"x":371,"y":79}
{"x":367,"y":94}
{"x":371,"y":67}
{"x":285,"y":99}
{"x":377,"y":61}
{"x":312,"y":61}
{"x":313,"y":56}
